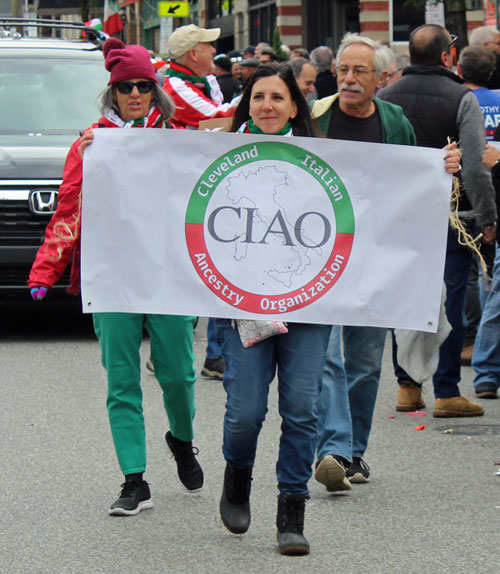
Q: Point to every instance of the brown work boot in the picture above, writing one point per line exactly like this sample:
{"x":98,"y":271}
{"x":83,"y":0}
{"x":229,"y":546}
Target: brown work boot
{"x":457,"y":407}
{"x":409,"y":397}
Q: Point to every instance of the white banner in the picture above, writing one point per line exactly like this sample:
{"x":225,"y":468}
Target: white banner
{"x":241,"y":226}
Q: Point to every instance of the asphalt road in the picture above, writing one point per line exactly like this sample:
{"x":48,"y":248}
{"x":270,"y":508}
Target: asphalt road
{"x":432,"y":506}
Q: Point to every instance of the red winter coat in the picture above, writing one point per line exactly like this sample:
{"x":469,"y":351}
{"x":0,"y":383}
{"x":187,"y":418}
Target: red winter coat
{"x":191,"y":104}
{"x":62,"y":234}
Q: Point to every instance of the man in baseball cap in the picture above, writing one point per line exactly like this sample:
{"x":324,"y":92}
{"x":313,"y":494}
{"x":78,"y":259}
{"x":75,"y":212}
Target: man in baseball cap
{"x":197,"y":96}
{"x":186,"y":38}
{"x":189,"y":79}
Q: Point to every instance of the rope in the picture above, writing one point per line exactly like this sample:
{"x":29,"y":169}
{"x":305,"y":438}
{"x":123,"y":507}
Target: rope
{"x":464,"y":238}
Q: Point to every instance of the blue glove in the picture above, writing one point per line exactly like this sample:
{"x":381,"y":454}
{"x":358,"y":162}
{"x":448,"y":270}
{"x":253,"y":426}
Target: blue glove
{"x":38,"y":293}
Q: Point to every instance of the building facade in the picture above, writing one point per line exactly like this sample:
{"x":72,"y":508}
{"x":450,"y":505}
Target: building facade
{"x":301,"y":23}
{"x":310,"y":23}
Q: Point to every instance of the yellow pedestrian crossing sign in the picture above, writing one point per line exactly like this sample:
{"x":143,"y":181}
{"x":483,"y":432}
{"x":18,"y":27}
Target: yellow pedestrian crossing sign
{"x":173,"y":9}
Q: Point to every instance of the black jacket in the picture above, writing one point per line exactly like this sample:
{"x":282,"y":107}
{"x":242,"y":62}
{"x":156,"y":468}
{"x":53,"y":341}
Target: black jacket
{"x":430,"y":97}
{"x":439,"y":107}
{"x":325,"y":84}
{"x":229,"y":86}
{"x":494,"y":81}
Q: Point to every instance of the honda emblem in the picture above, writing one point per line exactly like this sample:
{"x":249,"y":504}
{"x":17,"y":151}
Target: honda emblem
{"x":43,"y":201}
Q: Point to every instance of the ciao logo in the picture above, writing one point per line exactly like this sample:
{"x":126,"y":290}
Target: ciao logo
{"x":277,"y":225}
{"x":269,"y":227}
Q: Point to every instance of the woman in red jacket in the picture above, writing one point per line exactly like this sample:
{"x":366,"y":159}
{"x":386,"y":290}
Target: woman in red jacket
{"x":133,"y":99}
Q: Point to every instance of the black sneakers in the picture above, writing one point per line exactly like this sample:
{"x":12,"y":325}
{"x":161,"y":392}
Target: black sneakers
{"x":188,"y":468}
{"x":134,"y":497}
{"x":213,"y":368}
{"x":359,"y":471}
{"x":486,"y":390}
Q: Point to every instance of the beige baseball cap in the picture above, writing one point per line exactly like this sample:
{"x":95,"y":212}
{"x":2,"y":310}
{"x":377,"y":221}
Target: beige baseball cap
{"x":186,"y":37}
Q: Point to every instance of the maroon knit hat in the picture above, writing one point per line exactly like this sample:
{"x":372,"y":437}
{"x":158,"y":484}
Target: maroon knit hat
{"x":127,"y":62}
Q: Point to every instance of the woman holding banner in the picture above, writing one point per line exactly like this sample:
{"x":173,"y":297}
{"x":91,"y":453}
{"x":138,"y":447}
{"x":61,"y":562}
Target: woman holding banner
{"x":272,"y":104}
{"x":133,"y":99}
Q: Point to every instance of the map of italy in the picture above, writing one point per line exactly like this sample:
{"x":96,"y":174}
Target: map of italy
{"x":272,"y":225}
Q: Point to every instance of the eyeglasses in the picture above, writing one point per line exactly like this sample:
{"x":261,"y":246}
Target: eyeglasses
{"x":357,"y":71}
{"x":395,"y":73}
{"x":453,"y":39}
{"x":143,"y":86}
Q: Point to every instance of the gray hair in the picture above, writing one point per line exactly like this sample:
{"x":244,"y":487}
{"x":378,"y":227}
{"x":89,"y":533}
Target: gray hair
{"x":322,"y":58}
{"x":185,"y":59}
{"x":477,"y":64}
{"x":402,"y":61}
{"x":381,"y":54}
{"x":300,"y":53}
{"x":160,"y":99}
{"x":482,"y":35}
{"x":296,"y":64}
{"x":390,"y":55}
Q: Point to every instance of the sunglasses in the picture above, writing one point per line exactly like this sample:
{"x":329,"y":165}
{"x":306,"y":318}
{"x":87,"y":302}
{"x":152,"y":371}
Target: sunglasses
{"x":143,"y":86}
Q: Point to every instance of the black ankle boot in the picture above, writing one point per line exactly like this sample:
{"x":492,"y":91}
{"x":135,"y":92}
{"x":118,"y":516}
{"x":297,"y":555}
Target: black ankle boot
{"x":290,"y":523}
{"x":235,"y":500}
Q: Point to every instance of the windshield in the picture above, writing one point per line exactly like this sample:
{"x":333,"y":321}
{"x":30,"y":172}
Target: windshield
{"x":50,"y":95}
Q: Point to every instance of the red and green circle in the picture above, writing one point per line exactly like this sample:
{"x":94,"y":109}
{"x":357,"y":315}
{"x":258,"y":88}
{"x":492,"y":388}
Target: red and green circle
{"x":196,"y":215}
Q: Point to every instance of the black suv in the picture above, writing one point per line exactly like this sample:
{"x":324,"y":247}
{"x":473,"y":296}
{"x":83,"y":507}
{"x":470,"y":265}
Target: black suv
{"x":49,"y":91}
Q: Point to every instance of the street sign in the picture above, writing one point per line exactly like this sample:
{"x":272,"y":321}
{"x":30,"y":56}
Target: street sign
{"x":173,"y":9}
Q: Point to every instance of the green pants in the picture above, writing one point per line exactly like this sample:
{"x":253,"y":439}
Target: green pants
{"x":120,"y":336}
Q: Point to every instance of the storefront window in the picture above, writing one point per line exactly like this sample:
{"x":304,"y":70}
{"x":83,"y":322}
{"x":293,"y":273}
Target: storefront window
{"x":220,"y":8}
{"x":405,"y":19}
{"x":262,"y":21}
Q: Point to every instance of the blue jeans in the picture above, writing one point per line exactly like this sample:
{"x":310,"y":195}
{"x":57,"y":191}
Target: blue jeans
{"x":486,"y":357}
{"x":456,"y":274}
{"x":213,"y":349}
{"x":475,"y":298}
{"x":299,"y":357}
{"x":349,"y":390}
